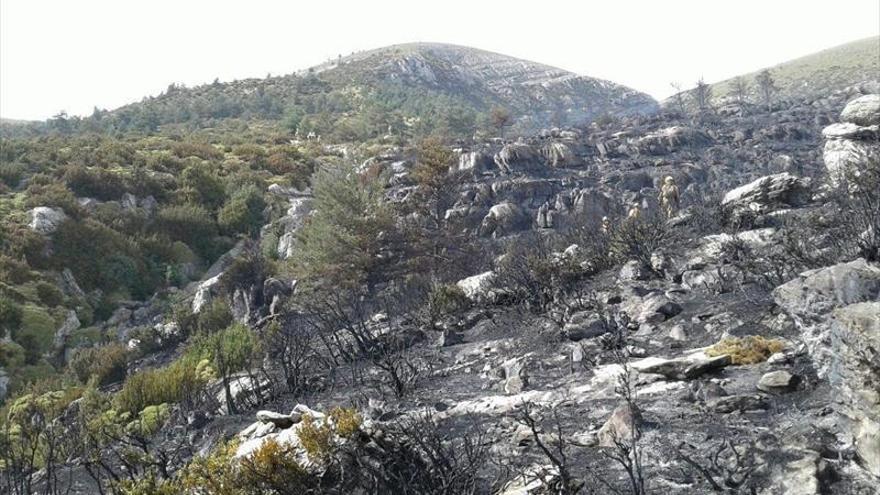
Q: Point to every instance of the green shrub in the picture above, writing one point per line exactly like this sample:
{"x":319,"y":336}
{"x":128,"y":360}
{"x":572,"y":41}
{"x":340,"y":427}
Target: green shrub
{"x":173,"y":383}
{"x":190,"y":224}
{"x":214,"y":317}
{"x":14,"y":271}
{"x":11,"y":173}
{"x":149,"y":484}
{"x":36,"y":333}
{"x":94,"y":182}
{"x":86,"y":336}
{"x":54,"y":194}
{"x":49,"y":294}
{"x":216,"y":473}
{"x":12,"y":355}
{"x":20,"y":242}
{"x":150,"y":419}
{"x":243,"y":212}
{"x":273,"y":468}
{"x":340,"y":244}
{"x":245,"y":271}
{"x":100,"y":257}
{"x":106,"y":364}
{"x":446,"y":299}
{"x":254,"y":154}
{"x":10,"y":316}
{"x":202,"y":150}
{"x":200,"y":185}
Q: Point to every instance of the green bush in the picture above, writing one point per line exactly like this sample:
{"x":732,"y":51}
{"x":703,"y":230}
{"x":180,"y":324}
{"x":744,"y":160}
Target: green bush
{"x":11,"y":173}
{"x":94,"y":182}
{"x":173,"y":383}
{"x":446,"y":299}
{"x":245,"y":271}
{"x":12,"y":355}
{"x":101,"y":257}
{"x":190,"y":224}
{"x":20,"y":242}
{"x":200,"y":185}
{"x":14,"y":271}
{"x":106,"y":364}
{"x":243,"y":212}
{"x":49,"y":294}
{"x":254,"y":154}
{"x":54,"y":194}
{"x":214,"y":318}
{"x":202,"y":150}
{"x":36,"y":333}
{"x":10,"y":315}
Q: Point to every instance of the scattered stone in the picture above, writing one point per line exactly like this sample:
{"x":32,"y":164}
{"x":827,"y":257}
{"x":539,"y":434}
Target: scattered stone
{"x":678,"y":333}
{"x":683,"y":368}
{"x":778,"y":381}
{"x":504,"y":219}
{"x":705,"y":391}
{"x":280,"y":420}
{"x":516,"y":377}
{"x":802,"y":476}
{"x":634,"y":270}
{"x":850,"y":145}
{"x":742,"y":403}
{"x":129,"y":201}
{"x":449,"y":338}
{"x":71,"y":323}
{"x":477,"y":287}
{"x":584,"y":325}
{"x":518,"y":157}
{"x":619,"y":427}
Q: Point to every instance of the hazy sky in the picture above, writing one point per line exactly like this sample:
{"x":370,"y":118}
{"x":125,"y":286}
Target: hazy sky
{"x":74,"y":55}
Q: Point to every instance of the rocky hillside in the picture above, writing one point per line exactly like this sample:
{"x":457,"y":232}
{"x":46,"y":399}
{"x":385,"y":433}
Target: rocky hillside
{"x":659,"y":302}
{"x":537,"y":92}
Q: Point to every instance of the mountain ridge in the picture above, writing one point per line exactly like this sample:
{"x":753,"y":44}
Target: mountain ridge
{"x":416,"y":89}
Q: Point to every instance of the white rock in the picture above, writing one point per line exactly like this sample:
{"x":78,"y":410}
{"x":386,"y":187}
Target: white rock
{"x":45,"y":220}
{"x":864,"y":110}
{"x":477,"y":286}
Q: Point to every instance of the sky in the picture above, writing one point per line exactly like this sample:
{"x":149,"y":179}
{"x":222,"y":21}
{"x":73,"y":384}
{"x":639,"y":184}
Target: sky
{"x":76,"y":55}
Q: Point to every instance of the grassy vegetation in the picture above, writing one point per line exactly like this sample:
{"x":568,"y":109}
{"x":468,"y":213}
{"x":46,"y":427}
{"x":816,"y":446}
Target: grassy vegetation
{"x":820,"y":72}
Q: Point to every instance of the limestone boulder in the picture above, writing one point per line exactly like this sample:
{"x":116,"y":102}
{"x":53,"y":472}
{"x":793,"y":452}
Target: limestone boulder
{"x":504,"y":219}
{"x":769,"y":193}
{"x":518,"y":157}
{"x":45,"y":220}
{"x":863,"y":111}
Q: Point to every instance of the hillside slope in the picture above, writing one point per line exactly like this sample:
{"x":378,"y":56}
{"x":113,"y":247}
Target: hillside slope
{"x":819,"y":73}
{"x":404,"y":90}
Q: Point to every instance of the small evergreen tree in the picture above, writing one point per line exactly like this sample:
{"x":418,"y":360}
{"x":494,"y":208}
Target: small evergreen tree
{"x":340,"y":244}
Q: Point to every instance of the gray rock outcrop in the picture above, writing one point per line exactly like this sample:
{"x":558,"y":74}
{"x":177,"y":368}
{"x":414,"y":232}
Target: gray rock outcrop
{"x":857,"y":139}
{"x":503,"y":219}
{"x":769,"y":193}
{"x":837,"y":310}
{"x":518,"y":157}
{"x":45,"y":220}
